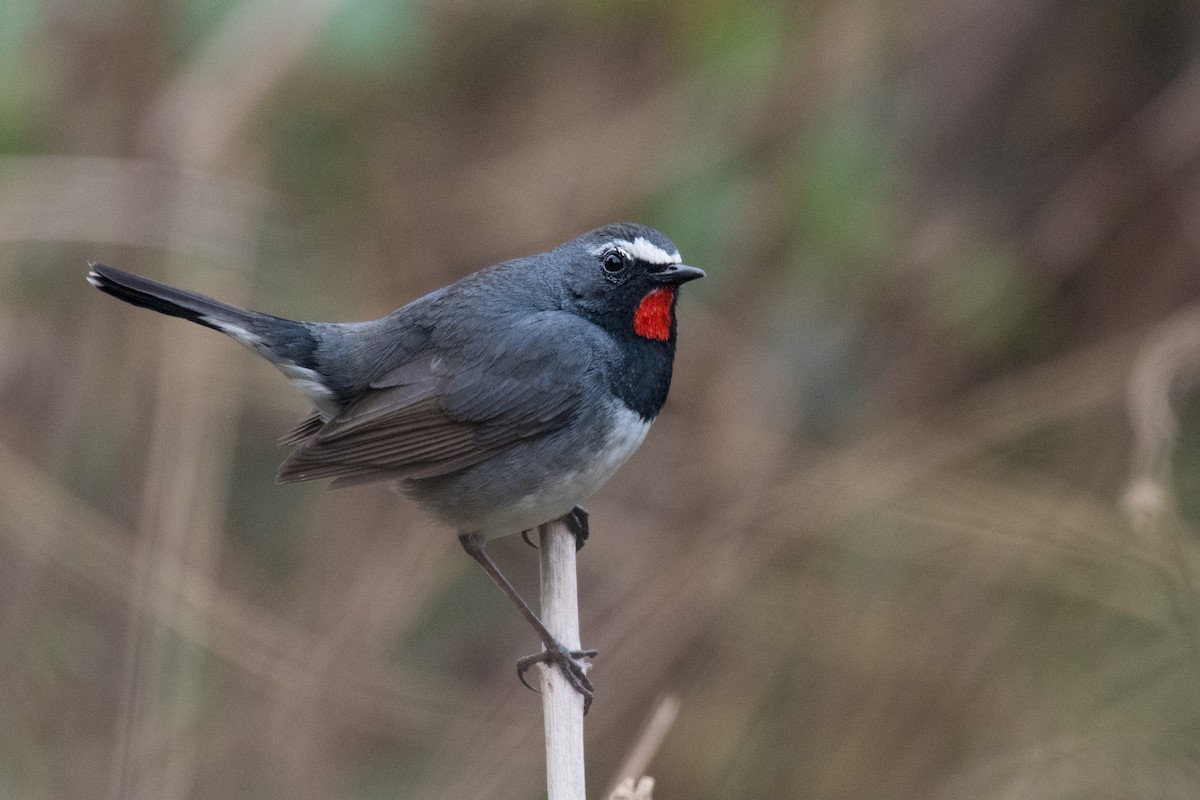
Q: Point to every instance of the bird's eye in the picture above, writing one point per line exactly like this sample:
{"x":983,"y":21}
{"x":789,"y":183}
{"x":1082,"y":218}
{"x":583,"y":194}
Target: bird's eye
{"x":614,"y":261}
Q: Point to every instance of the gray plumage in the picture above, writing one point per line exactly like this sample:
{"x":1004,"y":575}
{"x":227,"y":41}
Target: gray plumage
{"x":492,"y":401}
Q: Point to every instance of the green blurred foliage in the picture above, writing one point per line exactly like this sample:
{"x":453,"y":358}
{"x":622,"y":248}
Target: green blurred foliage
{"x":29,"y":82}
{"x":366,"y":38}
{"x":845,"y":206}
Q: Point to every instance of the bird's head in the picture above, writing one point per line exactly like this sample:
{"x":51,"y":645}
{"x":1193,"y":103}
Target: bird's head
{"x":626,"y":278}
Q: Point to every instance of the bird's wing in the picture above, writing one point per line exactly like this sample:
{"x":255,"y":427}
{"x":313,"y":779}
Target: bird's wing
{"x":444,"y":410}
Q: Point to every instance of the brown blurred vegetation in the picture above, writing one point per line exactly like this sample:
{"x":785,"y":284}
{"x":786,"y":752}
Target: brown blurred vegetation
{"x":919,"y":519}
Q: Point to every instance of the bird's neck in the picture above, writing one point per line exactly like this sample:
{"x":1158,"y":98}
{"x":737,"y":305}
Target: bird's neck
{"x":643,"y":377}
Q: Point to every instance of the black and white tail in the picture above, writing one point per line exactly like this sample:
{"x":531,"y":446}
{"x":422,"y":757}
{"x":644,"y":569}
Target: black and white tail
{"x":289,"y":345}
{"x":145,"y":293}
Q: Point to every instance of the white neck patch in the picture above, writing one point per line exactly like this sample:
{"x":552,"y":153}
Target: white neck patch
{"x":642,"y":249}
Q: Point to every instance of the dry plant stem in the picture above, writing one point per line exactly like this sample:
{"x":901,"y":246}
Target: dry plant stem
{"x":633,"y":767}
{"x":562,"y":706}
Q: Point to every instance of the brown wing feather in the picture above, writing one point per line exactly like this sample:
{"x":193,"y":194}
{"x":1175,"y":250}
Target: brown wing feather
{"x":371,"y":440}
{"x":429,"y":417}
{"x":376,"y":440}
{"x":302,"y":430}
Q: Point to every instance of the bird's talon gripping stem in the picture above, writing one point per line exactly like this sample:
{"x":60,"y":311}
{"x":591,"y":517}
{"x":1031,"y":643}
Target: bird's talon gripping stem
{"x":569,"y":661}
{"x":576,"y":521}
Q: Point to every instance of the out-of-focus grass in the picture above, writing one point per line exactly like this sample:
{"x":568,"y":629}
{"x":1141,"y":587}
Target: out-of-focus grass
{"x":881,"y":542}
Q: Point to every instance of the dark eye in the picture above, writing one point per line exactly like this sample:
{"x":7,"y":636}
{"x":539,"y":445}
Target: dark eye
{"x":614,"y":261}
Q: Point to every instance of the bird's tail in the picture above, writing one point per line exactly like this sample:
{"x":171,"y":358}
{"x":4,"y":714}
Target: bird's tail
{"x":143,"y":292}
{"x":289,"y":345}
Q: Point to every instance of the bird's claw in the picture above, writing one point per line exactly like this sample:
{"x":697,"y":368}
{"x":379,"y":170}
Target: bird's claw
{"x":576,"y":521}
{"x":570,"y":662}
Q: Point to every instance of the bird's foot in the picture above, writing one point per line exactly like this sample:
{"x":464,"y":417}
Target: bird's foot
{"x":570,"y":662}
{"x":576,"y":521}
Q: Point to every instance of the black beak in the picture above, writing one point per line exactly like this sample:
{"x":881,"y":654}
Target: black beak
{"x":676,"y":274}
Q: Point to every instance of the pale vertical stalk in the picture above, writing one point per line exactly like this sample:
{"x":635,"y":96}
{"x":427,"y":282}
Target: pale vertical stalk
{"x":633,"y":768}
{"x":562,"y":706}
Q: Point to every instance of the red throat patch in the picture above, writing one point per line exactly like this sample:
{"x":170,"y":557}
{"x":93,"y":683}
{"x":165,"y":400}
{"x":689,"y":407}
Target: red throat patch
{"x":652,"y":320}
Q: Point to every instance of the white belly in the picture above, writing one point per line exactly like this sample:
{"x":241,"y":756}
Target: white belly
{"x":556,"y":498}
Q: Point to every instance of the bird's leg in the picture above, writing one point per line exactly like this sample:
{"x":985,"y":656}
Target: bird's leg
{"x":569,"y":661}
{"x":576,"y":521}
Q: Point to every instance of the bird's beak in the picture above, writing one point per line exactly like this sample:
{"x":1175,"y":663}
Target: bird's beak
{"x":675,"y":274}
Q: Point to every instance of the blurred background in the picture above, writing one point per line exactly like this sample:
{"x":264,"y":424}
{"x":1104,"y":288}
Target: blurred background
{"x":919,"y":519}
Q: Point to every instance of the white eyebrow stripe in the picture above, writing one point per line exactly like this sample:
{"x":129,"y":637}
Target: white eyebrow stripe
{"x":646,"y":250}
{"x":642,"y":249}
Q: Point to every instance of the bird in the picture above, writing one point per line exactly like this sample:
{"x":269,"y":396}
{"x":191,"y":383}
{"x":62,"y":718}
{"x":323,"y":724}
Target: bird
{"x":499,"y":402}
